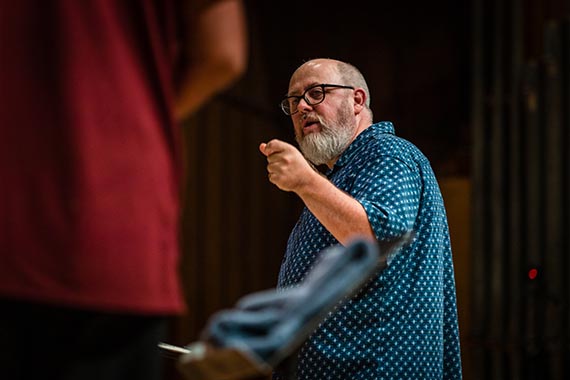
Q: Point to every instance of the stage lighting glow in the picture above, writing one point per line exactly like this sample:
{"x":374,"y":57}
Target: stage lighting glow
{"x":532,"y":273}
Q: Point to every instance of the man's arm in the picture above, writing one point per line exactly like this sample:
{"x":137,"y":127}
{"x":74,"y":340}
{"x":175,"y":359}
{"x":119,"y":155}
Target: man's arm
{"x":342,"y":215}
{"x":217,"y":51}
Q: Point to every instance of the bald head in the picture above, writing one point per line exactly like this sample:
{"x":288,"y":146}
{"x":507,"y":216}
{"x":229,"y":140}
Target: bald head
{"x":339,"y":71}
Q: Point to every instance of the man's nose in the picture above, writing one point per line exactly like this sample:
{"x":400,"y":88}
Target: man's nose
{"x":303,"y":105}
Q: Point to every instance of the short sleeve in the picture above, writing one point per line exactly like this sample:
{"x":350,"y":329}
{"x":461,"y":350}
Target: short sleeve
{"x":389,"y":190}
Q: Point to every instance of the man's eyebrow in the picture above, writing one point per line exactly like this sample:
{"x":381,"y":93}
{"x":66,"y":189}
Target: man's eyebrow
{"x":305,"y":89}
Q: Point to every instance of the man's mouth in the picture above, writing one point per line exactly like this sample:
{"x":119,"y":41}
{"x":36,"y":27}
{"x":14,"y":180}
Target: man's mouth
{"x":310,"y":126}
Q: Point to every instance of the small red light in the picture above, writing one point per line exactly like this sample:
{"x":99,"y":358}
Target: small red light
{"x":532,"y":273}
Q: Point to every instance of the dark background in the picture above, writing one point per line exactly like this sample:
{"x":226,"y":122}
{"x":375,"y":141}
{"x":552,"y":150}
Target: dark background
{"x":414,"y":55}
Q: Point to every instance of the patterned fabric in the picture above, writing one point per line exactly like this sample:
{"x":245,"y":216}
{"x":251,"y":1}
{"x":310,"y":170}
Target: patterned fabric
{"x":403,"y":323}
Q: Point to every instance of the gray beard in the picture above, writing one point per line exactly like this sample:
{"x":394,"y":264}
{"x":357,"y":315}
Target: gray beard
{"x":324,"y":146}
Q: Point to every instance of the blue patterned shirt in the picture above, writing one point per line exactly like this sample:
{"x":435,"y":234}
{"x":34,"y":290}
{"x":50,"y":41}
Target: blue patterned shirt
{"x":403,"y":323}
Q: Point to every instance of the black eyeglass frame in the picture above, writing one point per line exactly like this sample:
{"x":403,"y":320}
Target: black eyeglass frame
{"x":285,"y":102}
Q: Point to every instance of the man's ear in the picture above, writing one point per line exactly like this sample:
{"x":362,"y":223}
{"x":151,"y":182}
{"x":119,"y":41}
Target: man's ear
{"x":359,"y":100}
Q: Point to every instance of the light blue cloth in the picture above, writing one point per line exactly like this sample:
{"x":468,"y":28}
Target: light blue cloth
{"x":403,"y":323}
{"x":269,"y":325}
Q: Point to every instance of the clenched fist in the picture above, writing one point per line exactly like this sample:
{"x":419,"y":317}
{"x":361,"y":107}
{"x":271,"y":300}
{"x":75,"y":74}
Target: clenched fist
{"x":286,"y":166}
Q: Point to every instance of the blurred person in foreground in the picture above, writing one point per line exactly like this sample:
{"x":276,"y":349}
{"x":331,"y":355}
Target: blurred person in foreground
{"x":92,"y":93}
{"x":370,"y":183}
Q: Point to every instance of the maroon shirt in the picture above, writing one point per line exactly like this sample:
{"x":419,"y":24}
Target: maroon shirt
{"x":89,"y":168}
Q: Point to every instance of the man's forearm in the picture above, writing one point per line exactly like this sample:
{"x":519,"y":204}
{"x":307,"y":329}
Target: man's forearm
{"x":341,"y":214}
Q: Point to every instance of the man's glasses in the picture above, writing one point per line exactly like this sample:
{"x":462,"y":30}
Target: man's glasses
{"x":313,"y":95}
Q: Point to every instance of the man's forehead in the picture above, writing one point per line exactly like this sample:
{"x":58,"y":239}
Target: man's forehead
{"x":311,"y":73}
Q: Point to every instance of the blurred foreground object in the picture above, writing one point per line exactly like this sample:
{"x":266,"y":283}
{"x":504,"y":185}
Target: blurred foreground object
{"x":266,"y":327}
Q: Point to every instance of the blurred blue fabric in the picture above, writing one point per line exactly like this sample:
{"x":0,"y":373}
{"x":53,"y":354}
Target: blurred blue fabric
{"x":270,"y":325}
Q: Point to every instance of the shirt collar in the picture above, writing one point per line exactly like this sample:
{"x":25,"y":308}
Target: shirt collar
{"x":371,"y":132}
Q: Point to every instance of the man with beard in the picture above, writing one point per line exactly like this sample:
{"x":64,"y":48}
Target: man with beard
{"x":403,"y":323}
